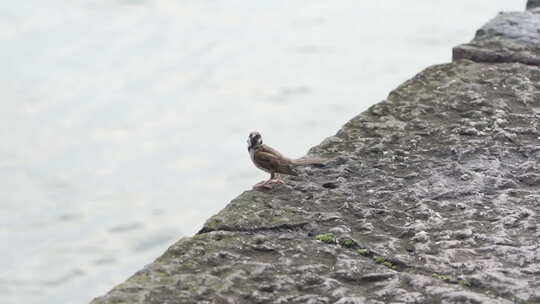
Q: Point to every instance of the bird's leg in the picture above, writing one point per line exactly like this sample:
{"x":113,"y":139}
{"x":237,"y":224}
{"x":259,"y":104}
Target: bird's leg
{"x":265,"y":184}
{"x":268,"y":183}
{"x":273,"y":179}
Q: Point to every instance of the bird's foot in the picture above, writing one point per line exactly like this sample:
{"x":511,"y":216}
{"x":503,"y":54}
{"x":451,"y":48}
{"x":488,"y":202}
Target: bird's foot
{"x":263,"y":184}
{"x":276,"y":181}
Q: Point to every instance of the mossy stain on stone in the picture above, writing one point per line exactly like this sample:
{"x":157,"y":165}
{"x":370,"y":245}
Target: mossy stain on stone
{"x":347,"y":243}
{"x":328,"y":238}
{"x":363,"y":251}
{"x":381,"y":260}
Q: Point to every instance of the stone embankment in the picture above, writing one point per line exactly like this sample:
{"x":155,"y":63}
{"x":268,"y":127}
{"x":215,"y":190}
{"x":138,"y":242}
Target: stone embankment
{"x":431,"y":196}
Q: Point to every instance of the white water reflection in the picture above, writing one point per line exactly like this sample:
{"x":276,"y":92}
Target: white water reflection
{"x":123,"y":124}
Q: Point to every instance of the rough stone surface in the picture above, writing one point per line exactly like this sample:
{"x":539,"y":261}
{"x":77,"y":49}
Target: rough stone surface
{"x":435,"y":199}
{"x":509,"y":37}
{"x":431,"y":196}
{"x":533,"y":4}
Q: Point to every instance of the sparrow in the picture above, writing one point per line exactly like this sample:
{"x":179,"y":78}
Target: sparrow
{"x":273,"y":162}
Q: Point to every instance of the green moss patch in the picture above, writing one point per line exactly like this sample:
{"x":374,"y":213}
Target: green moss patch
{"x":381,"y":260}
{"x":347,"y":243}
{"x":363,"y":251}
{"x":328,"y":238}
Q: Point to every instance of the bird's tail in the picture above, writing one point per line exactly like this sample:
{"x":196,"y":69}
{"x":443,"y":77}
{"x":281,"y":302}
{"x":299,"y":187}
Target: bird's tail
{"x":304,"y":161}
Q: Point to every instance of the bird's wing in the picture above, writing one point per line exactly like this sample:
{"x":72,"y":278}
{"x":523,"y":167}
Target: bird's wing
{"x":273,"y":163}
{"x":268,"y":149}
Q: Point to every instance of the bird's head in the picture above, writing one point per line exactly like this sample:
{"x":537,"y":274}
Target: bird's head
{"x":254,"y":140}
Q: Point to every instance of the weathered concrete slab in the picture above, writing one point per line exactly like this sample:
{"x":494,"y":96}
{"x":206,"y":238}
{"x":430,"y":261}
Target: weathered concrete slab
{"x":509,"y":37}
{"x":533,"y":4}
{"x":432,"y":196}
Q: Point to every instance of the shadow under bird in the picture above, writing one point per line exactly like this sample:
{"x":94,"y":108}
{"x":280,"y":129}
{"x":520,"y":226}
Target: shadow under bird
{"x":273,"y":162}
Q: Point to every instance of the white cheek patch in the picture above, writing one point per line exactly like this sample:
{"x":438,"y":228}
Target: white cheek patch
{"x":254,"y":139}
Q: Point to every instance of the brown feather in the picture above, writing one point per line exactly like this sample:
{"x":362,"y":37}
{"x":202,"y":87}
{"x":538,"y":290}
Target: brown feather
{"x":272,"y":163}
{"x":309,"y":161}
{"x":268,"y":149}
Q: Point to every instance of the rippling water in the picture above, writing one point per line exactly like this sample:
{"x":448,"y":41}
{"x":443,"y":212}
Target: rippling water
{"x":123,"y":123}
